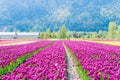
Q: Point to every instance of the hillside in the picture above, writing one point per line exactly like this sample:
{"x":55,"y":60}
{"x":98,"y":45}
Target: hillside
{"x":77,"y":15}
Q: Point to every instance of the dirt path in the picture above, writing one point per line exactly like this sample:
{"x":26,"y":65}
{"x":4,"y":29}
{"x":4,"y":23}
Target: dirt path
{"x":72,"y":72}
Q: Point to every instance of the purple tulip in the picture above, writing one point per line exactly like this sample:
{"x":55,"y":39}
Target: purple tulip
{"x":48,"y":64}
{"x":96,"y":58}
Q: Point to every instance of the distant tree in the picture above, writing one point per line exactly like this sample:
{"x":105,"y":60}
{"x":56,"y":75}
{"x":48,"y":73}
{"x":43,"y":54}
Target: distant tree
{"x":87,"y":35}
{"x":119,"y":29}
{"x":62,"y":32}
{"x":111,"y":30}
{"x":31,"y":31}
{"x":53,"y":35}
{"x":94,"y":35}
{"x":57,"y":35}
{"x":47,"y":34}
{"x":69,"y":35}
{"x":42,"y":36}
{"x":118,"y":32}
{"x":100,"y":34}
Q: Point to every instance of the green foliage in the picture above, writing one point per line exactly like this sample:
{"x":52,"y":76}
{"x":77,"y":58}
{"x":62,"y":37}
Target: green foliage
{"x":53,"y":35}
{"x":118,"y":33}
{"x":69,"y":35}
{"x":113,"y":33}
{"x":62,"y":32}
{"x":94,"y":35}
{"x":102,"y":34}
{"x":101,"y":78}
{"x":41,"y":35}
{"x":47,"y":34}
{"x":31,"y":31}
{"x":111,"y":30}
{"x":119,"y":29}
{"x":82,"y":73}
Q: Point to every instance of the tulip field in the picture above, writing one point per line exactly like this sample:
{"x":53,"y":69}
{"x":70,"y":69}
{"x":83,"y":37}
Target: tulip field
{"x":99,"y":62}
{"x":47,"y":60}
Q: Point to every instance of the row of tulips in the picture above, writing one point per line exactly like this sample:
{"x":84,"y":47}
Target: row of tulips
{"x":21,"y":59}
{"x":102,"y":62}
{"x":2,"y":48}
{"x":11,"y":54}
{"x":49,"y":64}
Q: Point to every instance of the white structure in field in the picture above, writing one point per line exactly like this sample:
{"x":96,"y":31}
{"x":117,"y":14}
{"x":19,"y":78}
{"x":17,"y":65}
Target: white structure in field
{"x":19,"y":35}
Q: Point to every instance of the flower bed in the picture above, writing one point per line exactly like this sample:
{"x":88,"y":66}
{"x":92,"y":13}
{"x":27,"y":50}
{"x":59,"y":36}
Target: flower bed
{"x":6,"y":56}
{"x":100,"y":62}
{"x":49,"y":64}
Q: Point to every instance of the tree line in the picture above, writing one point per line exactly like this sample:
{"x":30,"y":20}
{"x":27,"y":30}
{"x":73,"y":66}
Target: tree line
{"x":113,"y":33}
{"x":61,"y":34}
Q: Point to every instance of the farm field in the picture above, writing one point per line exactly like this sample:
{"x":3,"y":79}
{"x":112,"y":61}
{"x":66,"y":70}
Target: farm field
{"x":59,"y":60}
{"x":59,"y":39}
{"x":14,"y":42}
{"x":109,"y":42}
{"x":117,"y":43}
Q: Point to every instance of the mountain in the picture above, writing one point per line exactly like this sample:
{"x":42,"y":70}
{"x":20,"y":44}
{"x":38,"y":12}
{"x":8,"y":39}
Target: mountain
{"x":77,"y":15}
